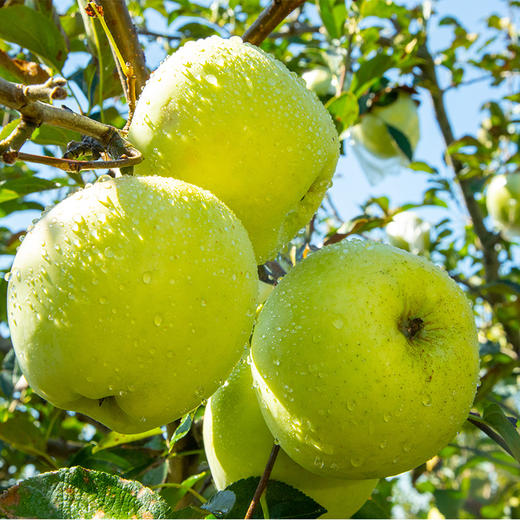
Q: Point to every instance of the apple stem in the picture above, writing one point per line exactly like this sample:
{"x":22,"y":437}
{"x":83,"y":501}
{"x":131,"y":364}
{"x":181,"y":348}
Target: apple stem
{"x":411,"y":327}
{"x":263,"y":481}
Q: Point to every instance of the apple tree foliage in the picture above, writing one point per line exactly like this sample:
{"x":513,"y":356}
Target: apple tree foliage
{"x":367,"y":45}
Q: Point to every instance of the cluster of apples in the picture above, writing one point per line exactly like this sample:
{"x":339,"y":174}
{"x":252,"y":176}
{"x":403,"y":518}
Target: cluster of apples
{"x":133,"y":299}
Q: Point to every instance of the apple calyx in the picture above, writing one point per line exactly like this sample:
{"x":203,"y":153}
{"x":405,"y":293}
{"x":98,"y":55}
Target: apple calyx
{"x":412,"y":327}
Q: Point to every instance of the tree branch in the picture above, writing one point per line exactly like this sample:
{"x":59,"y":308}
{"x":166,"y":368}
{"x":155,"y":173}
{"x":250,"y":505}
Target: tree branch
{"x":487,"y":240}
{"x":125,"y":35}
{"x":16,"y":97}
{"x":269,"y":19}
{"x":263,"y":481}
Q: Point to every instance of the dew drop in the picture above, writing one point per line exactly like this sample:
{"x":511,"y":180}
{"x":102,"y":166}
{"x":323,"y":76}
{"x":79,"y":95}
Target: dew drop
{"x":356,"y":461}
{"x":338,"y":323}
{"x":386,"y":417}
{"x":158,"y":320}
{"x":147,"y":277}
{"x":427,"y":401}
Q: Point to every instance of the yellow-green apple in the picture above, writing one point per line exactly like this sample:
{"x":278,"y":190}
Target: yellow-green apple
{"x":365,"y":359}
{"x":503,"y":203}
{"x":226,"y":116}
{"x":320,"y":81}
{"x":132,"y":300}
{"x":372,"y":131}
{"x":409,"y":232}
{"x":238,"y":443}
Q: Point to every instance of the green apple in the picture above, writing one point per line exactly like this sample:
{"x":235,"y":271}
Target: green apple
{"x":503,"y":203}
{"x":224,"y":115}
{"x":132,"y":300}
{"x":366,"y":360}
{"x":319,"y":80}
{"x":409,"y":232}
{"x":372,"y":131}
{"x":238,"y":443}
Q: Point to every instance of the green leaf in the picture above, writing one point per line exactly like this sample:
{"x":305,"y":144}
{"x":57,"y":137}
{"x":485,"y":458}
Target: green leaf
{"x":495,"y":417}
{"x":370,"y":72}
{"x":8,"y":128}
{"x":449,"y":502}
{"x":19,"y":432}
{"x":283,"y":501}
{"x":33,"y":31}
{"x":115,"y":439}
{"x":344,"y":110}
{"x":18,"y":187}
{"x":173,"y":493}
{"x":401,"y":140}
{"x":221,"y":503}
{"x":183,"y":428}
{"x":328,"y":19}
{"x":47,"y":135}
{"x":80,"y":493}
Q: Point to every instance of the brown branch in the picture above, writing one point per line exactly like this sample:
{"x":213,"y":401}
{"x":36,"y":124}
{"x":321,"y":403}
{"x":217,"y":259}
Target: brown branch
{"x":487,"y":240}
{"x":9,"y":147}
{"x":27,"y":72}
{"x":50,"y":90}
{"x":263,"y":481}
{"x":124,"y":32}
{"x":269,"y":19}
{"x":12,"y":95}
{"x":70,"y":165}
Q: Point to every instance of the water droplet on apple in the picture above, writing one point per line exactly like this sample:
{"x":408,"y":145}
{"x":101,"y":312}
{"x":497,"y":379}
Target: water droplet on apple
{"x":356,"y":461}
{"x":338,"y":323}
{"x":383,"y":444}
{"x":103,"y":301}
{"x":147,"y":277}
{"x":157,"y":320}
{"x":386,"y":417}
{"x":427,"y":401}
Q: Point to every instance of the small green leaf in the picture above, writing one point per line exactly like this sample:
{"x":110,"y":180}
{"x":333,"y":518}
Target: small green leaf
{"x":401,"y":140}
{"x":18,"y":187}
{"x":283,"y":501}
{"x":221,"y":503}
{"x":115,"y":439}
{"x":328,"y":19}
{"x":80,"y":493}
{"x":19,"y":432}
{"x":183,"y":428}
{"x":370,"y":73}
{"x":344,"y":110}
{"x":33,"y":31}
{"x":495,"y":417}
{"x":47,"y":135}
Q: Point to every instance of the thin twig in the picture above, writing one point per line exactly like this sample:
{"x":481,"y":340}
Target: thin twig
{"x":125,"y":36}
{"x":70,"y":165}
{"x":14,"y":96}
{"x":269,"y":19}
{"x":263,"y":481}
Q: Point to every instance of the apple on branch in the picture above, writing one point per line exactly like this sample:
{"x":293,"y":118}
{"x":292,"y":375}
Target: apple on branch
{"x":226,"y":116}
{"x":132,"y":300}
{"x":365,"y":359}
{"x":237,"y":443}
{"x":503,"y":203}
